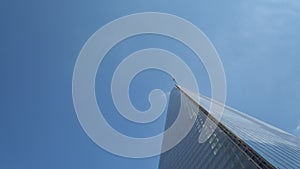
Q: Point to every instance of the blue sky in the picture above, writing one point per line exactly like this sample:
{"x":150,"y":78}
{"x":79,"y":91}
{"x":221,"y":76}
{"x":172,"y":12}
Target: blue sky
{"x":257,"y":42}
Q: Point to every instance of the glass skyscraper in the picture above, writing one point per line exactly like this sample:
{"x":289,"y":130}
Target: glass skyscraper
{"x":238,"y":142}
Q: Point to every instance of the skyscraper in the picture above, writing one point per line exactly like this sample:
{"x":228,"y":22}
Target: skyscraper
{"x":239,"y":141}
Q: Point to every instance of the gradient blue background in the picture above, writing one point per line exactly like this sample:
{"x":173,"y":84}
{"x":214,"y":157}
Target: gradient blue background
{"x":258,"y":43}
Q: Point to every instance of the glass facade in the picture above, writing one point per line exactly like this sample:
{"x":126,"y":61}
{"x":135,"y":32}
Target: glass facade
{"x":239,"y":141}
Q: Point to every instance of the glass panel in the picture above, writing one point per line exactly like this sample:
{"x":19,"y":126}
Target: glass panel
{"x":217,"y":152}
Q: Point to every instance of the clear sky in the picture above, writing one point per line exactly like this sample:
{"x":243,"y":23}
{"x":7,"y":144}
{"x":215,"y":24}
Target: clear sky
{"x":257,"y":41}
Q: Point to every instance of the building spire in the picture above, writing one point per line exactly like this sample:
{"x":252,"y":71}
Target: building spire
{"x":174,"y":80}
